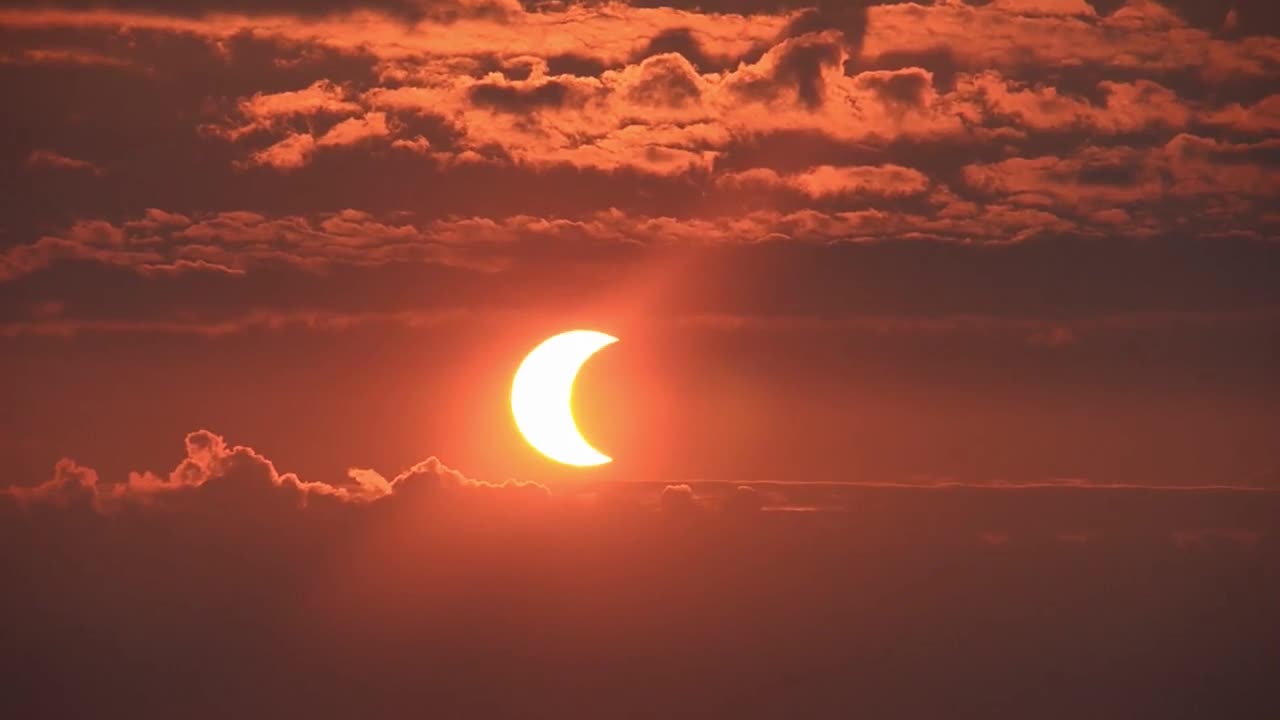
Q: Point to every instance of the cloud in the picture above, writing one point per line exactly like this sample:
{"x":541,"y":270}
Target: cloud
{"x":796,"y":65}
{"x":297,"y":149}
{"x":1202,"y":166}
{"x":71,"y":485}
{"x":217,"y":477}
{"x":1181,"y":187}
{"x":1260,"y":118}
{"x":53,"y":320}
{"x":1211,"y":537}
{"x":355,"y":130}
{"x":608,"y":32}
{"x":680,"y":103}
{"x":234,"y":241}
{"x":431,"y":477}
{"x":826,"y":180}
{"x":407,"y":10}
{"x":61,"y":325}
{"x":661,"y":115}
{"x":993,"y":538}
{"x":1140,"y":35}
{"x":1097,"y":177}
{"x":321,"y":96}
{"x":291,"y":153}
{"x":1046,"y":7}
{"x":1099,"y":181}
{"x":50,"y":160}
{"x":1127,"y":107}
{"x":55,"y":56}
{"x":226,"y":478}
{"x":743,"y":499}
{"x":519,"y":98}
{"x":677,"y":499}
{"x":1053,"y":337}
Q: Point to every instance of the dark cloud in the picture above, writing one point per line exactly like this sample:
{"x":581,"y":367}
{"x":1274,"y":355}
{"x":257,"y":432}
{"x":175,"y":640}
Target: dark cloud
{"x":905,"y":88}
{"x":234,"y":272}
{"x":1243,"y":17}
{"x":516,"y":99}
{"x":848,"y":18}
{"x":681,"y":41}
{"x":218,"y":478}
{"x":799,"y":67}
{"x":1109,"y":171}
{"x":571,"y":64}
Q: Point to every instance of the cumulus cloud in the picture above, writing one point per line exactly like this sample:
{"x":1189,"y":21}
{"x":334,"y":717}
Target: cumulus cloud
{"x":681,"y":99}
{"x":215,"y":477}
{"x":71,"y":484}
{"x":661,"y":115}
{"x":677,"y":499}
{"x":215,"y":474}
{"x":743,"y":499}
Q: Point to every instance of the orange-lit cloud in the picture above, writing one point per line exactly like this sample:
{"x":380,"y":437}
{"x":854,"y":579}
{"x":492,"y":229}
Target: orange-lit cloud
{"x":1260,"y":118}
{"x":48,"y":159}
{"x":1140,"y":35}
{"x":610,"y":32}
{"x":826,"y":180}
{"x":1126,"y":107}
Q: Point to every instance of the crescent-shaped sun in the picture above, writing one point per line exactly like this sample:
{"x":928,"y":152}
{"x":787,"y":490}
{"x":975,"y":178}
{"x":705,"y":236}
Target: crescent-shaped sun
{"x":542,"y":391}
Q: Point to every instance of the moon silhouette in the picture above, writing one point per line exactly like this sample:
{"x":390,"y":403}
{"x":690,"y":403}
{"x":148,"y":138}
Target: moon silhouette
{"x":542,"y":391}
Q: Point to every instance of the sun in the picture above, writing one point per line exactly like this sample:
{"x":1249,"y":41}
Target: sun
{"x":541,"y":396}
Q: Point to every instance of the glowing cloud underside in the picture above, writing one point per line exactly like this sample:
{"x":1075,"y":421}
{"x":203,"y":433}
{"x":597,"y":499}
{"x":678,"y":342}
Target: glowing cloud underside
{"x":542,"y":392}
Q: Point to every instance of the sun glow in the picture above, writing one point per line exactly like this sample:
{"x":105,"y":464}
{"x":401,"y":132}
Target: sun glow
{"x":541,"y":396}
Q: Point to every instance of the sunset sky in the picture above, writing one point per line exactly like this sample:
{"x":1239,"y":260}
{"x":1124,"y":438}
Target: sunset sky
{"x":997,"y":246}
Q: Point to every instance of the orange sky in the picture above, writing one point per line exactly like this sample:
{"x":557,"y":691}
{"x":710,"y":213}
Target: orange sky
{"x":1015,"y":241}
{"x":946,"y":383}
